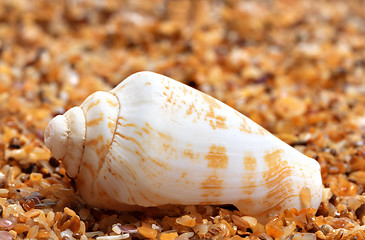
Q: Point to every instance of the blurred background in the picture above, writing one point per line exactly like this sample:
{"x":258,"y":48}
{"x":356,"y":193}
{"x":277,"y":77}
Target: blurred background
{"x":295,"y":67}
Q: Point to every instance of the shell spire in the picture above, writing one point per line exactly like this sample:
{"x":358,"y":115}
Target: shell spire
{"x":154,"y":141}
{"x":56,"y":136}
{"x":65,"y":136}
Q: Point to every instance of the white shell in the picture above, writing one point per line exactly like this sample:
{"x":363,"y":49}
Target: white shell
{"x":154,"y":141}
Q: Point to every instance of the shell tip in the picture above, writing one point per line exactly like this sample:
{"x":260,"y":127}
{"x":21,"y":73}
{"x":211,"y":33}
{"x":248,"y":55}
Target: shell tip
{"x":55,"y":136}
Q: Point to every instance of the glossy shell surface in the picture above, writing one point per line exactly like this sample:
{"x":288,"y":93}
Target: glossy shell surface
{"x":154,"y":141}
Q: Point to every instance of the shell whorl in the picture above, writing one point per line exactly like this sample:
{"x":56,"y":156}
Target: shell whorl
{"x":101,"y":111}
{"x":56,"y":136}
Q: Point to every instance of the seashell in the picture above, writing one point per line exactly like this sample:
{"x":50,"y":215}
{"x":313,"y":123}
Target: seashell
{"x":154,"y":141}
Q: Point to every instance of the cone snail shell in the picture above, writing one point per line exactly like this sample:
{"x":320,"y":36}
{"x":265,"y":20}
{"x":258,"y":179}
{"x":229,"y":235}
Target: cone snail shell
{"x":154,"y":141}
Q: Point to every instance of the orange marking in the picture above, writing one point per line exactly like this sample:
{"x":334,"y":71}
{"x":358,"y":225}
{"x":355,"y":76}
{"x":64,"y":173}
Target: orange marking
{"x":261,"y":131}
{"x":244,"y":127}
{"x":95,"y":142}
{"x":119,"y":87}
{"x":211,"y":113}
{"x":89,"y":167}
{"x":145,"y":130}
{"x":211,"y":101}
{"x":238,"y":114}
{"x":212,"y":182}
{"x":111,"y":172}
{"x":217,"y":157}
{"x":149,"y":126}
{"x":147,"y":83}
{"x":131,"y":196}
{"x":111,"y":126}
{"x":145,"y":197}
{"x":277,"y":179}
{"x":276,"y":206}
{"x":219,"y":120}
{"x":165,"y":136}
{"x":249,"y":179}
{"x":129,"y":139}
{"x":170,"y":98}
{"x":249,"y":162}
{"x":140,"y":155}
{"x":101,"y":152}
{"x":125,"y":166}
{"x":95,"y":121}
{"x":192,"y":109}
{"x":139,"y":133}
{"x":274,"y":161}
{"x":93,"y":104}
{"x":121,"y":118}
{"x":115,"y":174}
{"x":166,"y":146}
{"x":188,"y":153}
{"x":213,"y":186}
{"x":184,"y":89}
{"x":131,"y":173}
{"x":158,"y":163}
{"x":112,"y":103}
{"x":278,"y":170}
